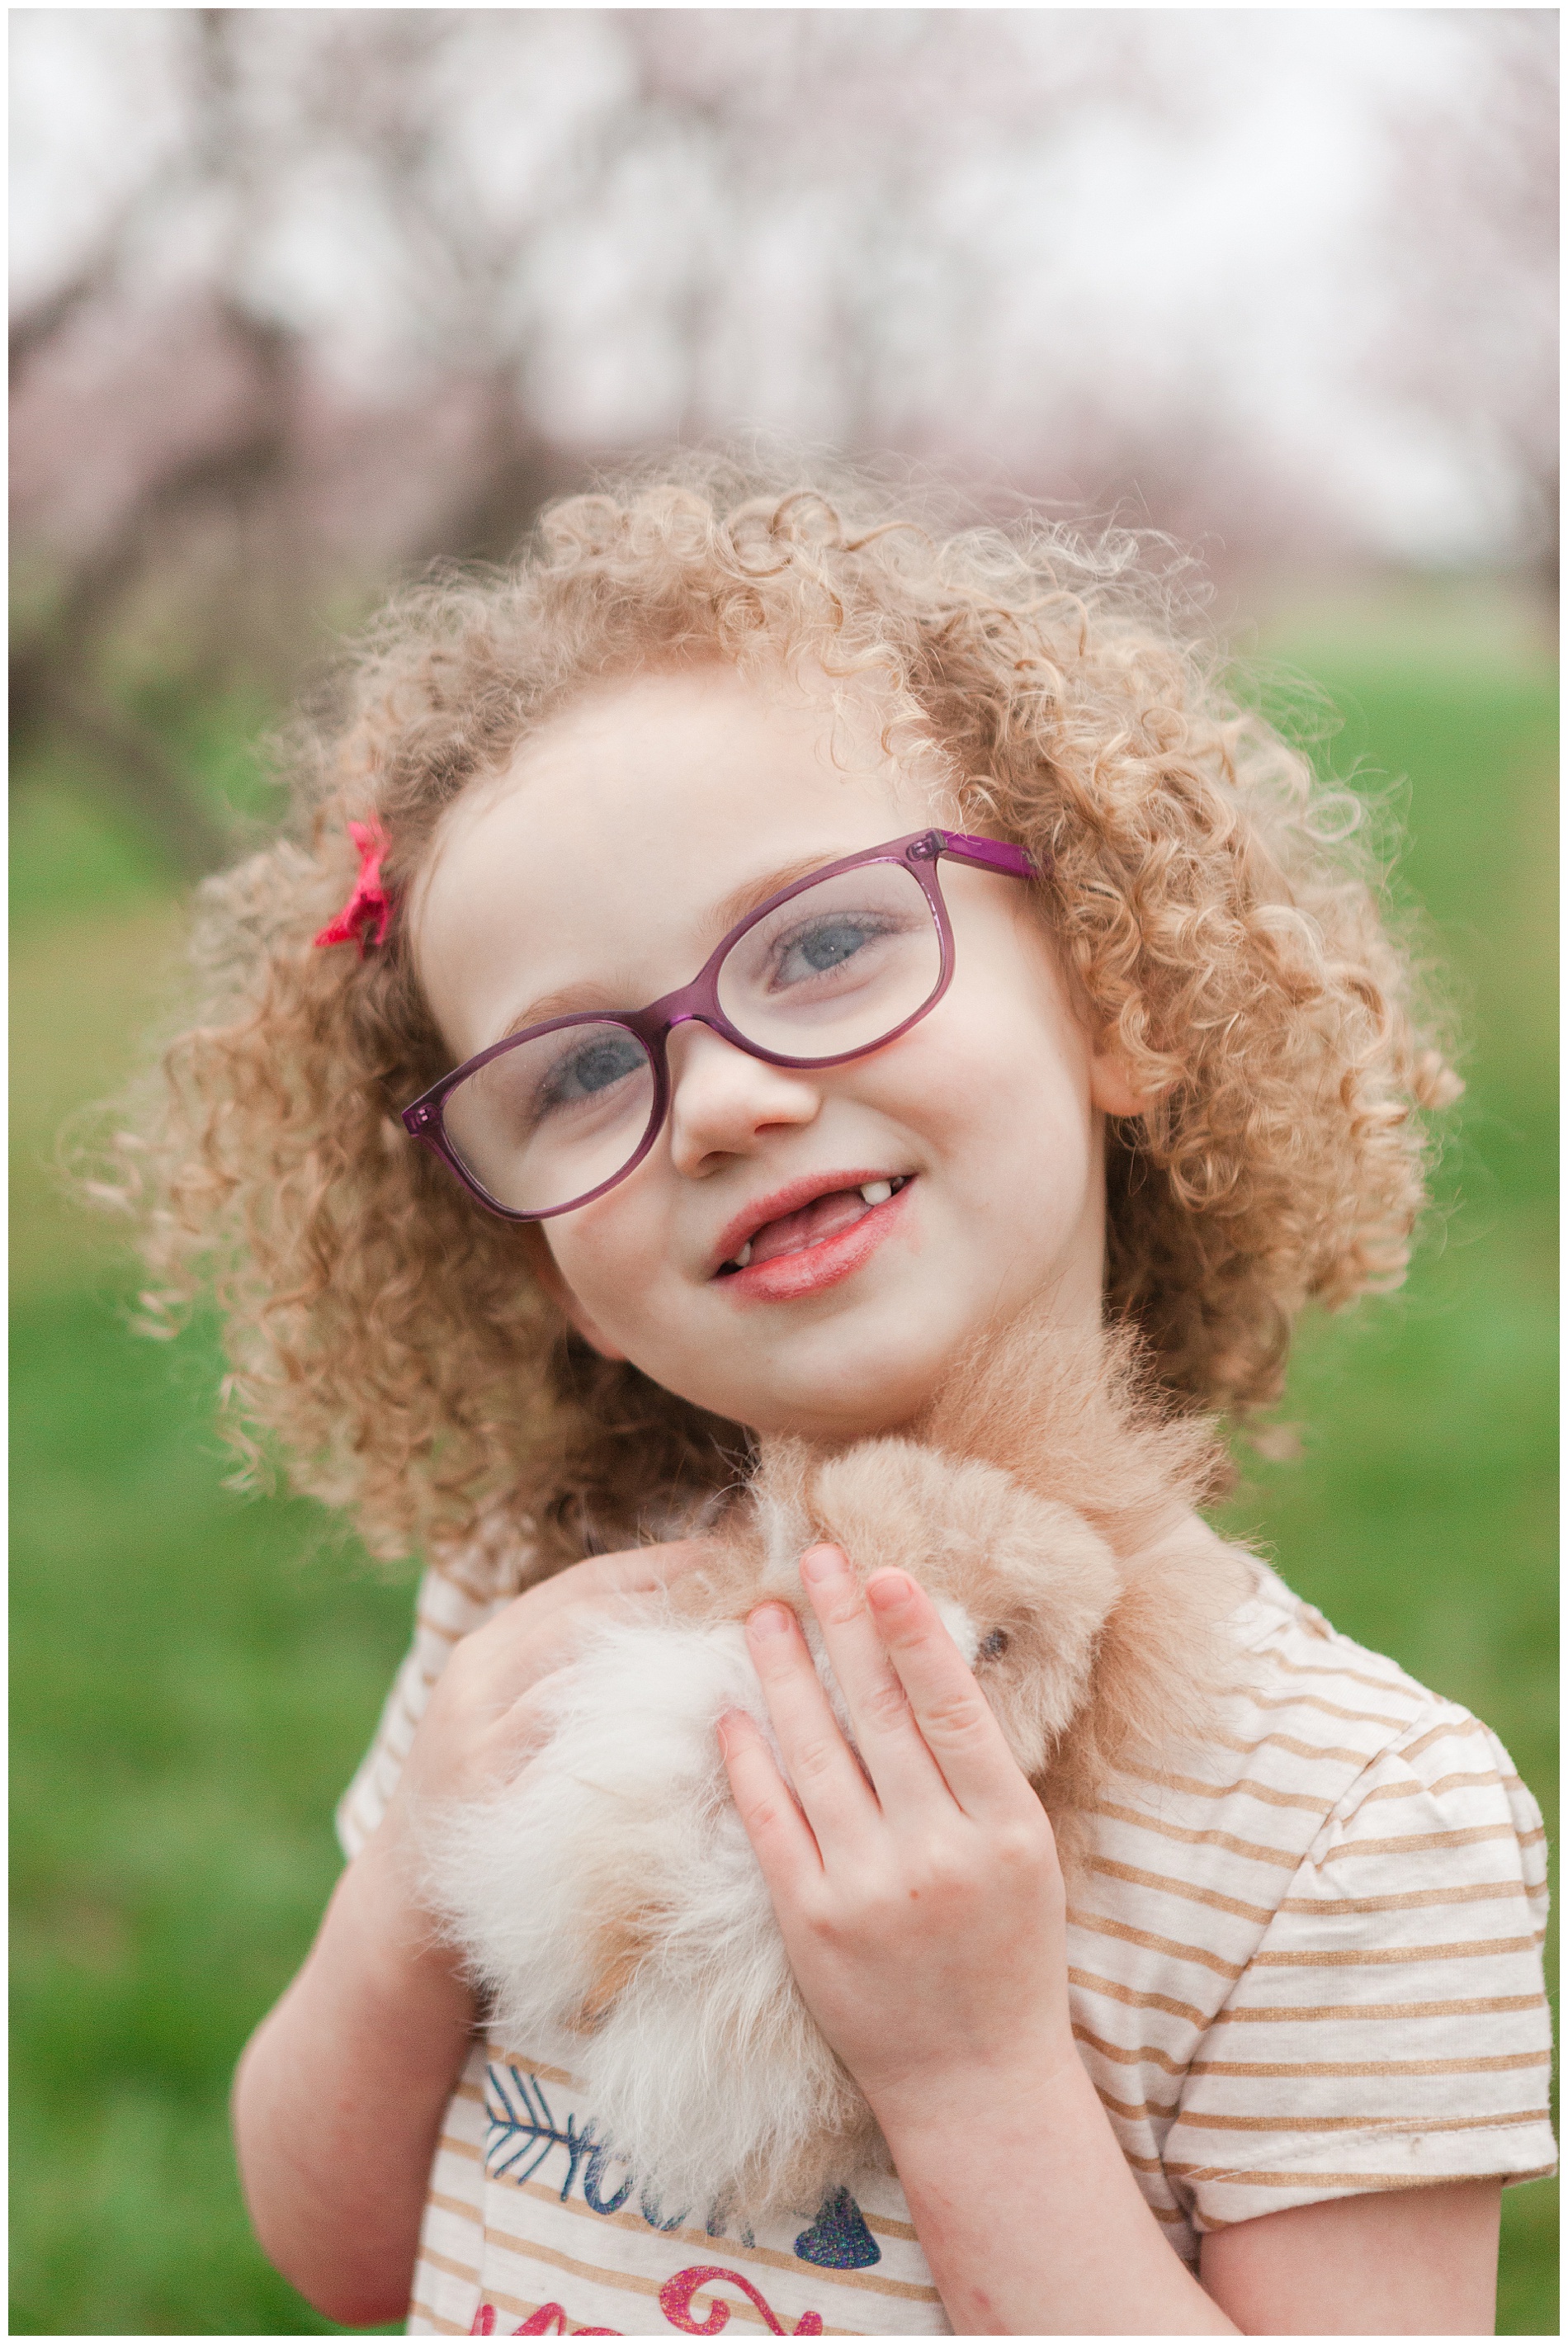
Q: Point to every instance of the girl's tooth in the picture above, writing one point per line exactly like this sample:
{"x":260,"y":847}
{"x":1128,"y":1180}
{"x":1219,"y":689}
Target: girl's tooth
{"x":744,"y":1255}
{"x":876,"y":1192}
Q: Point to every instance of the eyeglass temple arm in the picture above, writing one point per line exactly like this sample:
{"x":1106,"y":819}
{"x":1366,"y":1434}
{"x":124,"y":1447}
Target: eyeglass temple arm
{"x":990,"y":854}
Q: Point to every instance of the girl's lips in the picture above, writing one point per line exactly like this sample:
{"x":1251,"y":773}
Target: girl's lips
{"x":804,"y":1263}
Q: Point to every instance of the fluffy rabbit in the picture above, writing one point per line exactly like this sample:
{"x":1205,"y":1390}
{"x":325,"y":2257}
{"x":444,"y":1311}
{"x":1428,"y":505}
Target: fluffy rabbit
{"x":608,"y":1900}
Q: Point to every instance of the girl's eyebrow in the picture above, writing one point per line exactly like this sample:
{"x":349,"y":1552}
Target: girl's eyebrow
{"x":568,"y":999}
{"x":746,"y":898}
{"x":562,"y":1003}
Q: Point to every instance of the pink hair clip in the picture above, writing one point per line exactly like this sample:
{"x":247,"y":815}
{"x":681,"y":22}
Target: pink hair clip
{"x":370,"y":900}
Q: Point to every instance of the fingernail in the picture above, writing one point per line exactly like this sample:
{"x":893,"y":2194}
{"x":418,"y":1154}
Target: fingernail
{"x":889,"y":1589}
{"x":770,"y":1620}
{"x":820,"y":1562}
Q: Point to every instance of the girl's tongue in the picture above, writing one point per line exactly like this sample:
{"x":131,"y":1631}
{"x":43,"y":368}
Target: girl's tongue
{"x":823,"y":1217}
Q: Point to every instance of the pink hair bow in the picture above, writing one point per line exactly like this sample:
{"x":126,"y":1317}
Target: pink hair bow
{"x":370,"y":900}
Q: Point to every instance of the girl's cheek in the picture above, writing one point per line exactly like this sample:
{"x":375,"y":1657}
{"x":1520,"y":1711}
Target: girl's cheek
{"x":613,"y":1257}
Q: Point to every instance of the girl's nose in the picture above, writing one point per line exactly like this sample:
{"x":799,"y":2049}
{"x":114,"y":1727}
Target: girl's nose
{"x":722,"y":1099}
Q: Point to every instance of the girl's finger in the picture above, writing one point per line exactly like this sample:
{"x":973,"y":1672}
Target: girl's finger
{"x":954,"y":1718}
{"x":777,"y":1829}
{"x":636,"y":1571}
{"x":521,"y":1731}
{"x":838,"y":1801}
{"x":894,"y":1751}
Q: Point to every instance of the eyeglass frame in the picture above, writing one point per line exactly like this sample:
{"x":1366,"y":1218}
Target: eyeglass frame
{"x":697,"y":1002}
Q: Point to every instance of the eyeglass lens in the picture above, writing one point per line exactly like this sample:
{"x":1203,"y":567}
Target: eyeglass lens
{"x":826,"y":975}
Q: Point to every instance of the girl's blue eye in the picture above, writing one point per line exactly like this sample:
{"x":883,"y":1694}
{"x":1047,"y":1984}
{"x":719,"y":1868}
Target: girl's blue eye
{"x":607,"y":1059}
{"x":824,"y":946}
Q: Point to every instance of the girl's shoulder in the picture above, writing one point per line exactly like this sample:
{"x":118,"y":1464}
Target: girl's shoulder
{"x":1356,"y":1716}
{"x":1379,"y":1770}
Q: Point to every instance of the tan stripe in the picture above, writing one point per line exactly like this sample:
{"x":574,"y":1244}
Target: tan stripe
{"x":1277,"y":2013}
{"x":461,"y":2147}
{"x":466,"y":2208}
{"x":1103,"y":1928}
{"x":528,"y":2067}
{"x":1134,"y":2000}
{"x":1474,"y":1893}
{"x":442,"y":2326}
{"x":1325,"y":1749}
{"x":886,"y":2227}
{"x":1417,"y":1842}
{"x":1187,"y":1888}
{"x":906,"y":2290}
{"x":1461,"y":1728}
{"x":532,"y":2250}
{"x":1147,"y":2054}
{"x":422,"y":1619}
{"x":1327,"y":1959}
{"x":1135,"y":2111}
{"x":1150,"y":2054}
{"x":1172,"y":2214}
{"x":1494,"y":2065}
{"x":465,"y":2271}
{"x":1329,"y":1708}
{"x":1191,"y":1838}
{"x":1195,"y":1788}
{"x":1444,"y":1783}
{"x":1292,"y":2123}
{"x":1401,"y":1687}
{"x":1358,"y":2181}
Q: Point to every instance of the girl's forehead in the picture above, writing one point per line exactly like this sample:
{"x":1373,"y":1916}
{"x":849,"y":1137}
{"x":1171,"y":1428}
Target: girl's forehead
{"x":661,"y":738}
{"x":703,"y":757}
{"x":624,"y":825}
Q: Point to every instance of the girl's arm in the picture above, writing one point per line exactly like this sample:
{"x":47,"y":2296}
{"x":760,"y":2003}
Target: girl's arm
{"x":339,"y":2097}
{"x":925,"y":1917}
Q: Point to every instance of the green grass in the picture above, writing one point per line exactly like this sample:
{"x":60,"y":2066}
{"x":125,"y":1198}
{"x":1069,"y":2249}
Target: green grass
{"x":196,"y":1676}
{"x":186,"y":1692}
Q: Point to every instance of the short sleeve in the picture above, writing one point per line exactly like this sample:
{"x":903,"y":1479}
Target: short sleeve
{"x":443,"y":1614}
{"x":1390,"y":2030}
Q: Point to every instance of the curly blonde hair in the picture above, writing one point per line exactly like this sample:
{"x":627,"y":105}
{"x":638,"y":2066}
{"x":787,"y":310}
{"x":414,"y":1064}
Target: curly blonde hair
{"x":1206,"y":899}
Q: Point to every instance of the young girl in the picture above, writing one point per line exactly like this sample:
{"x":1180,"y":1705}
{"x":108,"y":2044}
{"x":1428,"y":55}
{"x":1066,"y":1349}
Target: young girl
{"x":1268,"y":2072}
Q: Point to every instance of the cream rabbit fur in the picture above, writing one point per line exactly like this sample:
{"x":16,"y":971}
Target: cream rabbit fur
{"x":608,"y":1901}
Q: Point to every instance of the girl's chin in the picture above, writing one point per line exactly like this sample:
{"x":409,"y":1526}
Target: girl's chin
{"x":857,"y":1396}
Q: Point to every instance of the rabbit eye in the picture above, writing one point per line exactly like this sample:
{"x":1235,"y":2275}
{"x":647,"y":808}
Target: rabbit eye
{"x":993,"y":1646}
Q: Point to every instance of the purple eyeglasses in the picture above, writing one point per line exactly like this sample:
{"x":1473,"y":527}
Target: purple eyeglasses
{"x":826,"y":970}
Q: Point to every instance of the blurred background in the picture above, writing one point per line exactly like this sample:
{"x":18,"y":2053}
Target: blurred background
{"x":303,"y":299}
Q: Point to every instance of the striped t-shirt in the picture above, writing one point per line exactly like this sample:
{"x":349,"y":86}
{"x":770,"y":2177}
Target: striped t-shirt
{"x":1312,"y":1967}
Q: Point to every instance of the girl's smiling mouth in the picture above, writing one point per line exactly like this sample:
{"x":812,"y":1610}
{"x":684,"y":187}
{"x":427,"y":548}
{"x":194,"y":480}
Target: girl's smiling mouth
{"x":810,"y":1235}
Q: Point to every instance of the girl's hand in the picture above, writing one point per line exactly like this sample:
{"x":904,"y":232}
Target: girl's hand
{"x":483,"y":1717}
{"x":922,"y":1909}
